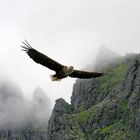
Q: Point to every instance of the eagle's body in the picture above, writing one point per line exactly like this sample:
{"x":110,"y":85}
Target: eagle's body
{"x":65,"y":72}
{"x":61,"y":70}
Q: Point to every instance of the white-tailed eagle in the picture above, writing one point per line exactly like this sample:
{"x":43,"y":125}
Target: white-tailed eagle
{"x":61,"y":70}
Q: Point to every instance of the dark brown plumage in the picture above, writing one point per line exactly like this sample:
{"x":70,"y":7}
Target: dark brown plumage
{"x":61,"y":70}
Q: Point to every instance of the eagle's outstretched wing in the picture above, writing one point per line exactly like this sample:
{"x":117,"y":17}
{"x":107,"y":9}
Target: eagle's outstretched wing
{"x":41,"y":58}
{"x":85,"y":74}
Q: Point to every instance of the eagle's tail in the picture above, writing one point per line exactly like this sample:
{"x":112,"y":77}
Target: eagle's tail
{"x":53,"y":78}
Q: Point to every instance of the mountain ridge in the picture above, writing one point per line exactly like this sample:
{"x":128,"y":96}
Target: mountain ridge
{"x":105,"y":108}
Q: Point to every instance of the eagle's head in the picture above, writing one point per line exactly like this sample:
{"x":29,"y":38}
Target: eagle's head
{"x":70,"y":69}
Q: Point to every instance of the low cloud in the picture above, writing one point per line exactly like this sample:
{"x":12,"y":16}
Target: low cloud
{"x":105,"y":56}
{"x":18,"y":112}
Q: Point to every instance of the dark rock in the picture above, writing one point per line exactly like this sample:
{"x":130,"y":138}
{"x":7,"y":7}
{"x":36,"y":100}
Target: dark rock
{"x":105,"y":108}
{"x":55,"y":128}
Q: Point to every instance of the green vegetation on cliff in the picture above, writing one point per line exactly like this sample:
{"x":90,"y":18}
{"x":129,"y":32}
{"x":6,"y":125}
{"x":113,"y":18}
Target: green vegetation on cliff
{"x":106,"y":108}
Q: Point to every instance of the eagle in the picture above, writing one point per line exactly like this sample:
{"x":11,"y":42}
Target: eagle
{"x":61,"y":71}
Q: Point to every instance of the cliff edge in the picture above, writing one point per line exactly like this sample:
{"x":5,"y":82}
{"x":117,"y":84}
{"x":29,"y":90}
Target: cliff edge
{"x":106,"y":108}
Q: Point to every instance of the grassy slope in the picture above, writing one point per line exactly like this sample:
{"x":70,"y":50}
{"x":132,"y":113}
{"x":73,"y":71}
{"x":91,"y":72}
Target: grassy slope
{"x":119,"y":128}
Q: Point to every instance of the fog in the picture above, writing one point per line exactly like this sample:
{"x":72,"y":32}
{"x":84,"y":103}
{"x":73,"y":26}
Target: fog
{"x":70,"y":32}
{"x":18,"y":112}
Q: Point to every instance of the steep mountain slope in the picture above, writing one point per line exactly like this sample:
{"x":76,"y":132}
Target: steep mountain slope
{"x":106,"y":108}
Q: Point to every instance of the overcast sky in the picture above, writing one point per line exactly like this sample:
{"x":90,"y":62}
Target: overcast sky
{"x":70,"y":31}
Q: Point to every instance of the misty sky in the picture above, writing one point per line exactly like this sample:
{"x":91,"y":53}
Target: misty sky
{"x":16,"y":111}
{"x":70,"y":31}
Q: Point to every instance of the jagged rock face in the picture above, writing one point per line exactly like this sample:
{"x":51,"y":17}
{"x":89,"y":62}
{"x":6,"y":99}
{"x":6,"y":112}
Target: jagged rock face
{"x":61,"y":126}
{"x":85,"y":94}
{"x":106,"y":108}
{"x":56,"y":129}
{"x":90,"y":92}
{"x":131,"y":85}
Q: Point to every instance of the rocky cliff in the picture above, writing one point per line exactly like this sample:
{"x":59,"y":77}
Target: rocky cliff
{"x":106,"y":108}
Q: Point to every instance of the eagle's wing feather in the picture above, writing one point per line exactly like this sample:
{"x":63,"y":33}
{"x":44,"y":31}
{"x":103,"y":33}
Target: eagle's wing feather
{"x":85,"y":74}
{"x":41,"y":58}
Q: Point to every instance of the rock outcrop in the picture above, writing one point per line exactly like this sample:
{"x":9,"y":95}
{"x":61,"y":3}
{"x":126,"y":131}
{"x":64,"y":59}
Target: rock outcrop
{"x":106,"y":108}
